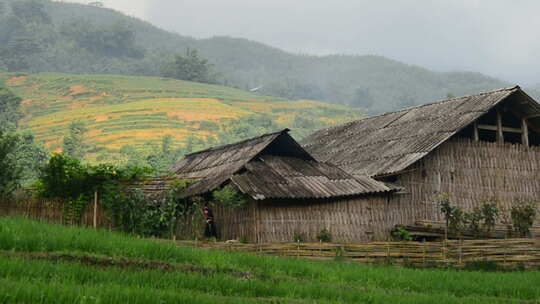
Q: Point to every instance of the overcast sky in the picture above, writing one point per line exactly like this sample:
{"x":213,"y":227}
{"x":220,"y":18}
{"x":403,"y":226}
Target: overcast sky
{"x":495,"y":37}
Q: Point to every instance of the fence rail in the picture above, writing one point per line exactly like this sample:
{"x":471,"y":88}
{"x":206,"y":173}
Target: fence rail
{"x":508,"y":253}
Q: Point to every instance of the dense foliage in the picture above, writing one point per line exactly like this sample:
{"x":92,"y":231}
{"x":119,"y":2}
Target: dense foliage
{"x":523,"y":214}
{"x":480,"y":221}
{"x":125,"y":204}
{"x":74,"y":142}
{"x":191,"y":68}
{"x":10,"y":113}
{"x":19,"y":149}
{"x":66,"y":177}
{"x":46,"y":36}
{"x":10,"y":171}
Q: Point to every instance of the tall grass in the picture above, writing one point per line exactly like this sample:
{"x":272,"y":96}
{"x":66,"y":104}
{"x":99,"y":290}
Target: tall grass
{"x":271,"y":277}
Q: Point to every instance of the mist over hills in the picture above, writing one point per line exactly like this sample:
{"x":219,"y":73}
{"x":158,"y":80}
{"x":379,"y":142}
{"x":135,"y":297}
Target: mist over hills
{"x":85,"y":39}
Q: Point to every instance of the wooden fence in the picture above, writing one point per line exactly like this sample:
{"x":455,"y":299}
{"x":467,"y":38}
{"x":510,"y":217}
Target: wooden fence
{"x":52,"y":210}
{"x":509,"y":253}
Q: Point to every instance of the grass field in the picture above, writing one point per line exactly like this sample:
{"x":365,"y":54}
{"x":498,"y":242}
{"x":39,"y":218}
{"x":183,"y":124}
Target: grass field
{"x":128,"y":110}
{"x":42,"y":263}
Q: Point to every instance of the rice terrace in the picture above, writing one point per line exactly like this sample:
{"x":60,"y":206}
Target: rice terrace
{"x":196,"y":162}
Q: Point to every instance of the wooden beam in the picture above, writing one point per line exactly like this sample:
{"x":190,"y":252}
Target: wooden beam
{"x":494,"y":128}
{"x":476,"y":134}
{"x":525,"y":133}
{"x":500,"y":135}
{"x":95,"y":208}
{"x":532,"y":116}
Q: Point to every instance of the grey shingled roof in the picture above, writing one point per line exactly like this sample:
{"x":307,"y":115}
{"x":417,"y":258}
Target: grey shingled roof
{"x":289,"y":177}
{"x":391,"y":142}
{"x":270,"y":166}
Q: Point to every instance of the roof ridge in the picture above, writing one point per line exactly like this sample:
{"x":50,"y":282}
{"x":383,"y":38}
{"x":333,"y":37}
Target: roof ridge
{"x":420,"y":106}
{"x":461,"y":97}
{"x":217,"y":148}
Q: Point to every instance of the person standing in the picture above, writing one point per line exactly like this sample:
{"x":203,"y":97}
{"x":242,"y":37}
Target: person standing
{"x":210,"y":229}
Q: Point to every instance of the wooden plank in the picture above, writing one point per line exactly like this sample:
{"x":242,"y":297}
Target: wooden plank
{"x":500,"y":135}
{"x":476,"y":134}
{"x":495,"y":128}
{"x":525,"y":133}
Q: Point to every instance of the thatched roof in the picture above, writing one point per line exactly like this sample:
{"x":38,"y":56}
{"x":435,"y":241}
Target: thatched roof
{"x":391,"y":142}
{"x":270,"y":166}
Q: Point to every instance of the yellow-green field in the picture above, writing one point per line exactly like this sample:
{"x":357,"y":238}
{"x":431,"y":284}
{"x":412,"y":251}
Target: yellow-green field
{"x":128,"y":110}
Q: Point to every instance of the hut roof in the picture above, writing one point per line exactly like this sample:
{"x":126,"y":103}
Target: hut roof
{"x":270,"y":166}
{"x":391,"y":142}
{"x":288,"y":177}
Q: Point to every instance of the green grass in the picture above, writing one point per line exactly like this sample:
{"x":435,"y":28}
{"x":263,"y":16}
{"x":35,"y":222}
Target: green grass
{"x":212,"y":276}
{"x":129,"y":110}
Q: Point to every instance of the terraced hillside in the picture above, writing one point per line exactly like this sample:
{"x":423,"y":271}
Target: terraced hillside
{"x":123,"y":111}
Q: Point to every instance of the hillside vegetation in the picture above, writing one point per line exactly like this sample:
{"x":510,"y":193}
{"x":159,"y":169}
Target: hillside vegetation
{"x":118,"y":112}
{"x":45,"y":36}
{"x":43,"y":263}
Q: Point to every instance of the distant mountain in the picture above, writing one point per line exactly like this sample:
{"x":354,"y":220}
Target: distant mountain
{"x":76,"y":38}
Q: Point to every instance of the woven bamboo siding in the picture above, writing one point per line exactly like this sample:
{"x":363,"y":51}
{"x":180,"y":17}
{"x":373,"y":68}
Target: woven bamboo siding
{"x":349,"y":220}
{"x":472,"y":172}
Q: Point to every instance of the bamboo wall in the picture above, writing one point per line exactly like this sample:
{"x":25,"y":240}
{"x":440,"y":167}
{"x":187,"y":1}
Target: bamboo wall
{"x":469,"y":171}
{"x":50,"y":210}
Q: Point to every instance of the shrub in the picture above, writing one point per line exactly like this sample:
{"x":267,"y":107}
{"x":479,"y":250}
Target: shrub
{"x":474,"y":220}
{"x":490,"y":213}
{"x":10,"y":172}
{"x":298,"y":237}
{"x":400,"y":234}
{"x":228,"y":196}
{"x":523,"y":214}
{"x":454,"y":216}
{"x":324,"y":235}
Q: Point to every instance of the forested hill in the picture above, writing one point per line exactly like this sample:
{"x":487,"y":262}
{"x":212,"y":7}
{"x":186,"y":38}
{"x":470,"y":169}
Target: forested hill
{"x":44,"y":36}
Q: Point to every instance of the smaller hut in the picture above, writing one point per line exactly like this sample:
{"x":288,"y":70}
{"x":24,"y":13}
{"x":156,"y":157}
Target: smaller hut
{"x":287,"y":190}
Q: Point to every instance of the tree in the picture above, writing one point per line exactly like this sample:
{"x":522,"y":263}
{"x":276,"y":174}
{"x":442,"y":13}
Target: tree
{"x":10,"y":113}
{"x":30,"y":156}
{"x":10,"y":172}
{"x":30,"y":11}
{"x":191,"y":68}
{"x":74,"y":145}
{"x":117,"y":40}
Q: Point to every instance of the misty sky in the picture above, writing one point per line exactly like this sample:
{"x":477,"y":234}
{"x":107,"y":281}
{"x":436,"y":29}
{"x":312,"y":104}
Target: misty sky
{"x":495,"y":37}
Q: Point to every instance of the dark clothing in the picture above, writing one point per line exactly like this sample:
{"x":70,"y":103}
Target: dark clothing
{"x":210,"y":229}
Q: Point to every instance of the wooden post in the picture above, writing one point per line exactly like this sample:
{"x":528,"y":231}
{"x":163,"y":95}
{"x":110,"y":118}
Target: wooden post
{"x":524,"y":132}
{"x":424,"y":253}
{"x":476,"y":134}
{"x":500,"y":135}
{"x":460,"y":244}
{"x":95,"y":208}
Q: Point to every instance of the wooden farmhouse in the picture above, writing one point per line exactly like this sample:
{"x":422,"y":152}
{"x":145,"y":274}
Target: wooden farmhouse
{"x":360,"y":179}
